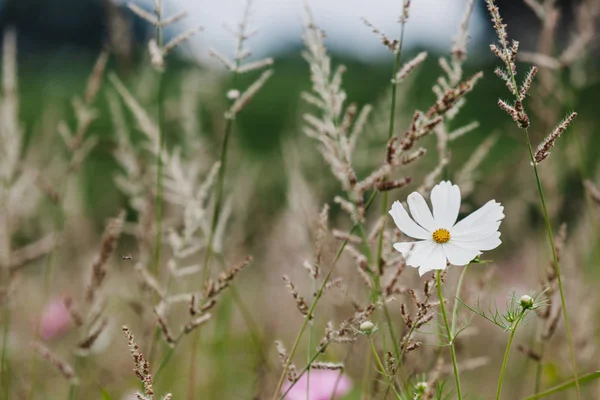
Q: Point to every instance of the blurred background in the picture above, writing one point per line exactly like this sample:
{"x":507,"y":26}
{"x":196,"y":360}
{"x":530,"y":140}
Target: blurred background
{"x":60,"y":40}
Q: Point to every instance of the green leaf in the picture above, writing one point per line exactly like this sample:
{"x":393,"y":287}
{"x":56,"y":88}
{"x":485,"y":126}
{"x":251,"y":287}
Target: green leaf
{"x":105,"y":396}
{"x":567,"y":385}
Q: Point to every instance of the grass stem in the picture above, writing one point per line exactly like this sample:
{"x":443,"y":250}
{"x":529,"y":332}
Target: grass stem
{"x":449,"y":335}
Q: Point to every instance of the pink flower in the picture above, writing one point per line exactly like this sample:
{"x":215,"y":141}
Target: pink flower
{"x":321,"y":386}
{"x":55,"y":320}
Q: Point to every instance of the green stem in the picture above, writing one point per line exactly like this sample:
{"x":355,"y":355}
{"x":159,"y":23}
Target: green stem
{"x":73,"y":385}
{"x":555,"y":262}
{"x":548,"y":224}
{"x":161,"y":146}
{"x":313,"y":305}
{"x":455,"y":306}
{"x":513,"y":330}
{"x":4,"y":363}
{"x":538,"y":369}
{"x":449,"y":334}
{"x":382,"y":369}
{"x":566,"y":385}
{"x":384,"y":201}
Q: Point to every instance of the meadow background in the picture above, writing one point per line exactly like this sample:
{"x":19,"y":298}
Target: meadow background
{"x":82,"y":70}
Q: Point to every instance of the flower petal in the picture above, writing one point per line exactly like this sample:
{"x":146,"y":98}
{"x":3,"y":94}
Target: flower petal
{"x":477,"y":232}
{"x":483,"y":244}
{"x":490,"y":212}
{"x":406,"y":224}
{"x":415,"y":252}
{"x":445,"y":199}
{"x":457,"y":255}
{"x":436,"y":260}
{"x":405,"y":247}
{"x":420,"y":211}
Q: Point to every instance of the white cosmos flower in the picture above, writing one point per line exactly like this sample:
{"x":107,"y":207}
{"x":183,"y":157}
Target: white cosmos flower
{"x":441,"y":238}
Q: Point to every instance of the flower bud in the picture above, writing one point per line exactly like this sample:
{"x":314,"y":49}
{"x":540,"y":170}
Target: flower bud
{"x":420,"y":387}
{"x":233,"y":94}
{"x":526,"y":302}
{"x":367,"y":327}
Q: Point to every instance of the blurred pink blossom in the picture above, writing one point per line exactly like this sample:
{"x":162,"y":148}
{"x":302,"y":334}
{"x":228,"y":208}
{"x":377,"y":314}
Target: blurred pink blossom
{"x":55,"y":320}
{"x":322,"y":384}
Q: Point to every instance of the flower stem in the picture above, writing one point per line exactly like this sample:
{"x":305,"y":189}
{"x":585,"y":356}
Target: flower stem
{"x":382,"y":368}
{"x":449,"y":334}
{"x":455,"y":306}
{"x":513,"y":330}
{"x":556,"y":266}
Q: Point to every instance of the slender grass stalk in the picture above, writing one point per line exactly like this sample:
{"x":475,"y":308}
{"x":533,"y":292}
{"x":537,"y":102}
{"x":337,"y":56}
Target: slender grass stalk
{"x":4,"y":362}
{"x":382,"y":369}
{"x":161,"y":146}
{"x":455,"y":306}
{"x":513,"y":330}
{"x":555,"y":262}
{"x":449,"y":335}
{"x":310,"y":344}
{"x":566,"y":385}
{"x":548,"y":224}
{"x":366,"y":379}
{"x":312,"y":308}
{"x":218,"y":202}
{"x":384,"y":200}
{"x":73,"y":385}
{"x":539,"y":369}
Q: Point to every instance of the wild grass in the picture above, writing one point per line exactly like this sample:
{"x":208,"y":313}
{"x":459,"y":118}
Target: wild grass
{"x":282,"y":278}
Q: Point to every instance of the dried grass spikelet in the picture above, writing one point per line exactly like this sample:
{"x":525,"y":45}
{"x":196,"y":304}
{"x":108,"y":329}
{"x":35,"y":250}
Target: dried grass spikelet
{"x":300,"y":301}
{"x":96,"y":328}
{"x":543,"y":150}
{"x":347,"y":328}
{"x":391,"y":44}
{"x":248,"y":94}
{"x":196,"y":322}
{"x":327,"y":365}
{"x":409,"y":67}
{"x":593,"y":191}
{"x":213,"y":288}
{"x":73,"y":311}
{"x":23,"y":255}
{"x":64,"y":368}
{"x":107,"y":248}
{"x":164,"y":327}
{"x":292,"y":374}
{"x":141,"y":366}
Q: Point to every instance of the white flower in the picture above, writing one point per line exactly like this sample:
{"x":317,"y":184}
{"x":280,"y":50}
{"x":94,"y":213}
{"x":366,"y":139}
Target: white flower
{"x":441,"y":238}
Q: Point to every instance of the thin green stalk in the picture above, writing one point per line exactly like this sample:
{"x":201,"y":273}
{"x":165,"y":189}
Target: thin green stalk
{"x":384,"y":201}
{"x":538,"y":370}
{"x":382,"y":369}
{"x":555,"y":262}
{"x":377,"y":292}
{"x":449,"y":334}
{"x":310,"y":344}
{"x":566,"y":385}
{"x":4,"y":363}
{"x":73,"y":385}
{"x":455,"y":306}
{"x":548,"y":227}
{"x":314,"y":304}
{"x":513,"y":330}
{"x":366,"y":381}
{"x":161,"y":146}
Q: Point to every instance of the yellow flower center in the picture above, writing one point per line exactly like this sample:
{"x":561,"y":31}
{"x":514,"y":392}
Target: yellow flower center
{"x":441,"y":236}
